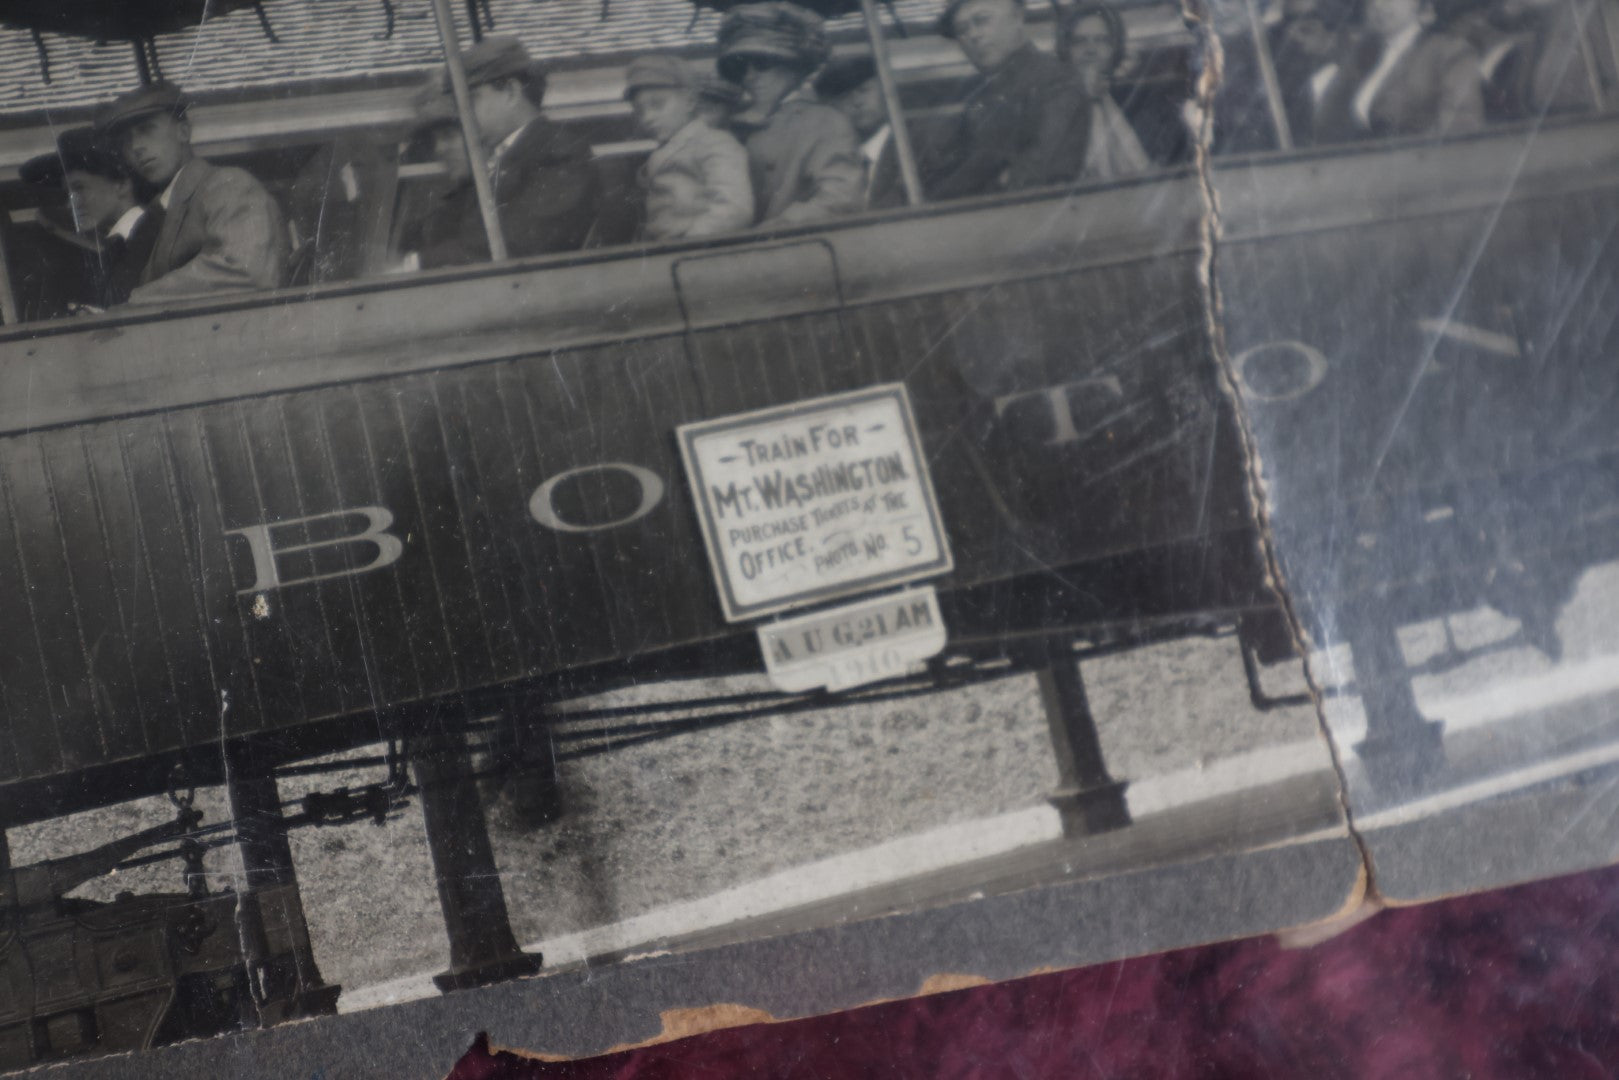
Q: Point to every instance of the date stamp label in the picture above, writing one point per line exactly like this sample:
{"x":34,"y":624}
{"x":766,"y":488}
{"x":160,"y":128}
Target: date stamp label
{"x":876,"y":638}
{"x":814,"y":501}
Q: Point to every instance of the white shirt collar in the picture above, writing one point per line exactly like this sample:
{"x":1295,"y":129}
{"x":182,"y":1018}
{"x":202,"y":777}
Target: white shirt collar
{"x":1497,"y":53}
{"x":872,"y":148}
{"x":125,"y":225}
{"x":168,"y":192}
{"x":505,"y":145}
{"x":1320,"y":81}
{"x":1393,"y":51}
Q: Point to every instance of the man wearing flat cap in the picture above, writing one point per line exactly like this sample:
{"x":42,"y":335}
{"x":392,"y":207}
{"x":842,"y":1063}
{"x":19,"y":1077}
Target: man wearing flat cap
{"x":803,"y":156}
{"x":222,"y":231}
{"x":849,"y":85}
{"x":101,"y":192}
{"x":544,"y":182}
{"x":1025,"y":118}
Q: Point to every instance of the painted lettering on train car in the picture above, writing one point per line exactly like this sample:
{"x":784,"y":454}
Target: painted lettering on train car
{"x":358,"y":540}
{"x":1286,"y":370}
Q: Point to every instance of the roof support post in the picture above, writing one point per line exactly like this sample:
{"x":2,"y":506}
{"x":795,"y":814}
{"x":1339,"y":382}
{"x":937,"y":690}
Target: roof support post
{"x":891,"y":104}
{"x":10,"y":315}
{"x":1267,"y":72}
{"x":1588,"y":56}
{"x":469,"y":129}
{"x":1610,"y":25}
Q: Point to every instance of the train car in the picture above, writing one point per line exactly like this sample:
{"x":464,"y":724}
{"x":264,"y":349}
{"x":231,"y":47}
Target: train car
{"x":1434,"y":316}
{"x":249,"y":531}
{"x":241,"y":533}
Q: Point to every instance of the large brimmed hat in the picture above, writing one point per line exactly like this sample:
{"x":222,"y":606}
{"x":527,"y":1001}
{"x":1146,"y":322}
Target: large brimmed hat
{"x":158,"y":97}
{"x":77,"y":150}
{"x":657,"y":73}
{"x":947,"y":18}
{"x":777,"y":31}
{"x":496,"y":58}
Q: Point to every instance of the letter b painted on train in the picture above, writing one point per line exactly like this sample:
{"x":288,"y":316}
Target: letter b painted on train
{"x":261,"y":541}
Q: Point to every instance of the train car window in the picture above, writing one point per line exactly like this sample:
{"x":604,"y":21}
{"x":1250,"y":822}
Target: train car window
{"x":1146,"y":87}
{"x":1304,"y":73}
{"x":390,"y":199}
{"x":335,"y":198}
{"x":384,"y":199}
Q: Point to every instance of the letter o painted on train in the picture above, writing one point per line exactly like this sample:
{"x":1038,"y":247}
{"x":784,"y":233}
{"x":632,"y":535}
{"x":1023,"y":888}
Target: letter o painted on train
{"x":1288,"y":378}
{"x":542,"y":508}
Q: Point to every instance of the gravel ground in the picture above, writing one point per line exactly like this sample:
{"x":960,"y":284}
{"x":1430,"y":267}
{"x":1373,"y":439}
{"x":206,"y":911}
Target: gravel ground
{"x":685,"y":817}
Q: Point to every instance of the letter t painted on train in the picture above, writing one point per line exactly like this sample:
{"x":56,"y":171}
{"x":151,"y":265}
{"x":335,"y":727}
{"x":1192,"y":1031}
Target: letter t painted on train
{"x":265,"y":551}
{"x":1058,"y":398}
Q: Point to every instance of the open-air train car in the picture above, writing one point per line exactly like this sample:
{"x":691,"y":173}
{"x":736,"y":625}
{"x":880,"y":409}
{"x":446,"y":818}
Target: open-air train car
{"x":245,"y":532}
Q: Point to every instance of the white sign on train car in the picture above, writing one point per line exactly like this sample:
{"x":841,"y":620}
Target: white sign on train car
{"x":814,"y":500}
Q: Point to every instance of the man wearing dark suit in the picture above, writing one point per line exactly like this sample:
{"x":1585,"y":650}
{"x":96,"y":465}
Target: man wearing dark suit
{"x":1305,"y":48}
{"x":1025,"y":118}
{"x":1402,"y":79}
{"x":849,"y":85}
{"x":544,"y":182}
{"x":222,"y":231}
{"x":101,"y":193}
{"x":1531,"y":55}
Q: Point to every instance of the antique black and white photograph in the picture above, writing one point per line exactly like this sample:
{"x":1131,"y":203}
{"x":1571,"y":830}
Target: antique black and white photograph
{"x":1419,"y":313}
{"x":545,"y":514}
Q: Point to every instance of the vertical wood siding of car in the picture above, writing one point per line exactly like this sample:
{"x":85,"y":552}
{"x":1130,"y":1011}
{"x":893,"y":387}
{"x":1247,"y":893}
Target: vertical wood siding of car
{"x":139,"y":632}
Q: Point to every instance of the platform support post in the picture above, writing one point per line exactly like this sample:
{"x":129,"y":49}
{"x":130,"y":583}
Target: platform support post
{"x":281,"y":960}
{"x":482,"y":947}
{"x":1088,"y":798}
{"x":1402,"y":747}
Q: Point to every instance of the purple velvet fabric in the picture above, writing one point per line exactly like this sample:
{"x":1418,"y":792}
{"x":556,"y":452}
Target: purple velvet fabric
{"x":1509,"y":985}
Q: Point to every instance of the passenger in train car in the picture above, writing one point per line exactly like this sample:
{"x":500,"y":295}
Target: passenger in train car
{"x":1530,"y":58}
{"x":545,"y":185}
{"x":1025,"y":118}
{"x":1092,"y":40}
{"x":101,"y":191}
{"x":1401,"y":78}
{"x":696,"y":182}
{"x":849,"y":85}
{"x":221,"y":230}
{"x":719,"y":101}
{"x":1306,"y":47}
{"x":448,"y":231}
{"x":803,"y":156}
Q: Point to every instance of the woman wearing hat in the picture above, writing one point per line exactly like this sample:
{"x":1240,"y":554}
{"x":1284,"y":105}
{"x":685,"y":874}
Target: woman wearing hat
{"x":1091,"y":40}
{"x":803,"y":156}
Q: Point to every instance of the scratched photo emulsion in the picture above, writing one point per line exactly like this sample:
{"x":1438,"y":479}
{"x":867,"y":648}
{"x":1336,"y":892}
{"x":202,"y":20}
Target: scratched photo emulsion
{"x":1423,"y":349}
{"x":542,"y":516}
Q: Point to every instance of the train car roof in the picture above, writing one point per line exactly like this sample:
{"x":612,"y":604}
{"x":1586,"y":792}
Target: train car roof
{"x":319,"y":42}
{"x":335,"y":67}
